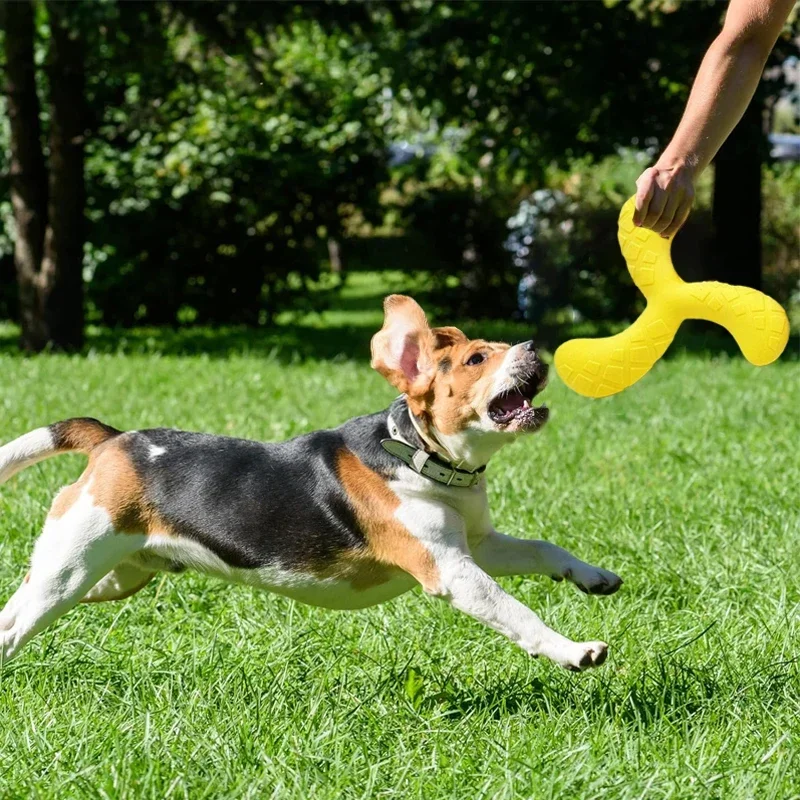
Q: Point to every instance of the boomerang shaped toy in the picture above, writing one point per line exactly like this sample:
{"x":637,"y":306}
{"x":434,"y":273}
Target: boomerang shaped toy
{"x":601,"y":367}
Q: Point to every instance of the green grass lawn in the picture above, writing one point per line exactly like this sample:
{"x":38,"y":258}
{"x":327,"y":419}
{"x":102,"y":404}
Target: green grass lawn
{"x":686,"y":485}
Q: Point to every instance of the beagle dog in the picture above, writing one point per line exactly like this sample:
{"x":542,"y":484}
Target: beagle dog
{"x":342,"y":518}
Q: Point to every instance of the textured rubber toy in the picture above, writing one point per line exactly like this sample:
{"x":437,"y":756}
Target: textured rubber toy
{"x":601,"y":367}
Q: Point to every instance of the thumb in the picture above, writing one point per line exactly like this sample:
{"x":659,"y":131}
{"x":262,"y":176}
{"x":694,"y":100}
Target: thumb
{"x":645,"y":186}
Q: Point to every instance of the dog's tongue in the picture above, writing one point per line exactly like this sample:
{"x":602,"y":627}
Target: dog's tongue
{"x":510,"y":402}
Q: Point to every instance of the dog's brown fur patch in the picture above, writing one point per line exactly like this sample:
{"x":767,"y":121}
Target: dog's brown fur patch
{"x":389,"y":542}
{"x":429,"y":365}
{"x":65,"y":499}
{"x":356,"y":567}
{"x":116,"y":487}
{"x":458,"y":392}
{"x":82,"y":434}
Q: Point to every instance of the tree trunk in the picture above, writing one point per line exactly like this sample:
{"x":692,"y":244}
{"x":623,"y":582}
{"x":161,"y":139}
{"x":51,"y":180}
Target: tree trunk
{"x":737,"y":202}
{"x":28,"y":175}
{"x":335,"y":255}
{"x":62,"y":263}
{"x":49,"y":214}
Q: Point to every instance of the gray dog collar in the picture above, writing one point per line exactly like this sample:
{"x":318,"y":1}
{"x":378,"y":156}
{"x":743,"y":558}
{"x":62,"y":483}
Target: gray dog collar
{"x":427,"y":464}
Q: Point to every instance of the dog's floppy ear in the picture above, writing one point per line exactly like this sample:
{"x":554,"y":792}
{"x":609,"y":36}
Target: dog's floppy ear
{"x":402,"y":350}
{"x":447,"y":337}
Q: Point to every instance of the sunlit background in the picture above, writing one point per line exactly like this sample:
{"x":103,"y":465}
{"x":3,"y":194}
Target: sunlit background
{"x":237,"y":164}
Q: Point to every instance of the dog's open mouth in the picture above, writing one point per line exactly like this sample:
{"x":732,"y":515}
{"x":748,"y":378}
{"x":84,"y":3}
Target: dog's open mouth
{"x":514,"y":409}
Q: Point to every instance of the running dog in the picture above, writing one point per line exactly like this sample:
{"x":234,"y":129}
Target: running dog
{"x":342,"y":518}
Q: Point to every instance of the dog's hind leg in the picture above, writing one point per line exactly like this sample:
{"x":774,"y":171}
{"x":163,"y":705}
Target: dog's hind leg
{"x":77,"y":548}
{"x":123,"y":581}
{"x":9,"y":611}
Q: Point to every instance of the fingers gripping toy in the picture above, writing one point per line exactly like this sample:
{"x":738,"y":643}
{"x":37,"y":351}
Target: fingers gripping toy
{"x":601,"y":367}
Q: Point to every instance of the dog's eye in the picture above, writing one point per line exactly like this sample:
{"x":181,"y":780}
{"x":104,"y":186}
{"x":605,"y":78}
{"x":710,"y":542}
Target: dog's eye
{"x":476,"y":358}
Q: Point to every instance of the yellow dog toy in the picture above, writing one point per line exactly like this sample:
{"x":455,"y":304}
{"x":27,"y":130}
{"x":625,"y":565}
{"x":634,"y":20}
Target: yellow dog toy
{"x":600,"y":367}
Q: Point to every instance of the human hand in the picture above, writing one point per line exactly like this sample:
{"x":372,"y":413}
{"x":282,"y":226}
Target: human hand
{"x":664,"y":198}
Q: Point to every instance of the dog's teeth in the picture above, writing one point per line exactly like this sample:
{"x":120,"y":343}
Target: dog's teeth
{"x":526,"y":403}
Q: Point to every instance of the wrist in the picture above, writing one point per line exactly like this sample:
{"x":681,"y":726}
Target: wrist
{"x":685,"y":165}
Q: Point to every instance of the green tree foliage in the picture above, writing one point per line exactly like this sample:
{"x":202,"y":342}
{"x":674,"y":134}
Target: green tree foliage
{"x":237,"y":165}
{"x":529,"y":83}
{"x":227,"y":144}
{"x":532,"y":86}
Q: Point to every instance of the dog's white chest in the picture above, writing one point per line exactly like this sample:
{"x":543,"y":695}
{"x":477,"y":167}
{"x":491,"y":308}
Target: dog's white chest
{"x":435,"y":513}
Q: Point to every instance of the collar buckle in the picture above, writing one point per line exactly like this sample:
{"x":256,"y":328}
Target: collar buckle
{"x":419,"y":459}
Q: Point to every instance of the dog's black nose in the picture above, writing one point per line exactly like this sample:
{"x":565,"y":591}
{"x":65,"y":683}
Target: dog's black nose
{"x":532,"y":359}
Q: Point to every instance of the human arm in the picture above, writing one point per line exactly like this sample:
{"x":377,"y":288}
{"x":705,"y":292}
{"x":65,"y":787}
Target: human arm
{"x":723,"y":88}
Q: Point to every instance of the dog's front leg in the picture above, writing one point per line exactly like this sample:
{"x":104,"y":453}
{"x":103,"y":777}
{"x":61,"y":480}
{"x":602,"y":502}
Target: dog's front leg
{"x":499,"y":555}
{"x":468,"y":588}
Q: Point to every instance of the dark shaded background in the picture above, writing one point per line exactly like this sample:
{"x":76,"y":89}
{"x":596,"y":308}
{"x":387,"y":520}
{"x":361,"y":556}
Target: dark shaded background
{"x":218,"y":164}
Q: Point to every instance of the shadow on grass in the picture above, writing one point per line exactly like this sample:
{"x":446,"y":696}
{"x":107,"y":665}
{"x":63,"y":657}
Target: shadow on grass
{"x":706,"y":339}
{"x":666,"y":688}
{"x":345,"y":334}
{"x":666,"y":692}
{"x":294,"y":342}
{"x":288,"y":342}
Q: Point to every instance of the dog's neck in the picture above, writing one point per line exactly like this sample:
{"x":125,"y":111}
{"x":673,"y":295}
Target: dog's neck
{"x":466,"y":452}
{"x":408,"y":427}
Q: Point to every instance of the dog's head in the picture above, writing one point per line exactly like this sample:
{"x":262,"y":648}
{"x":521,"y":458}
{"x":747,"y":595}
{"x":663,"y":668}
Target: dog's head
{"x":470,"y":395}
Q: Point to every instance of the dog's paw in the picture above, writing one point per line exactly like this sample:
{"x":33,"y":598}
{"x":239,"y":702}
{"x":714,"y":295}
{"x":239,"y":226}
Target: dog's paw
{"x":583,"y":655}
{"x":593,"y":580}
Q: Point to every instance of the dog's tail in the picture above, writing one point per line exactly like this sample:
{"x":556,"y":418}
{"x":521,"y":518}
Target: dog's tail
{"x":80,"y":435}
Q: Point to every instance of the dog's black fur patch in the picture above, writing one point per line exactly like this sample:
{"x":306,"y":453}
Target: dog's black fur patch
{"x":255,"y":503}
